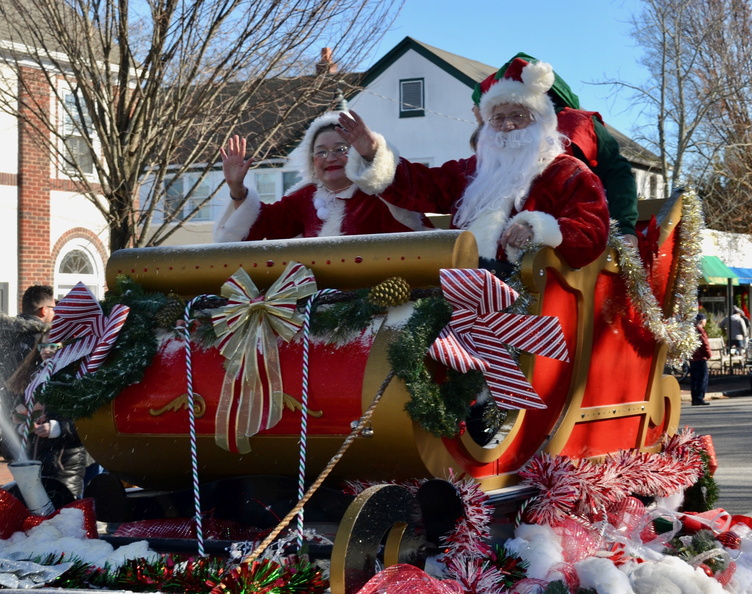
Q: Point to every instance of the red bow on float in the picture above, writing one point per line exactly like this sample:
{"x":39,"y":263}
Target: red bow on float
{"x":479,"y":329}
{"x":84,"y":330}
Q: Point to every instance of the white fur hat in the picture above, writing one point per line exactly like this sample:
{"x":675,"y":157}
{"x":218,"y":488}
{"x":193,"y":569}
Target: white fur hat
{"x":526,"y":84}
{"x":302,"y":156}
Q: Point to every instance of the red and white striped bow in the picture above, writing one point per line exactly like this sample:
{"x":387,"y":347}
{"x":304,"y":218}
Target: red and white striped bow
{"x":248,"y":326}
{"x":479,"y":329}
{"x":86,"y":332}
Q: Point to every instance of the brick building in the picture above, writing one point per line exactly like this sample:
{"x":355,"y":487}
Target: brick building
{"x":49,"y":232}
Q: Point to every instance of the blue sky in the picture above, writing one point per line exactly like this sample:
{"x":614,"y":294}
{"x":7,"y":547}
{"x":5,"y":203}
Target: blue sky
{"x":586,"y":41}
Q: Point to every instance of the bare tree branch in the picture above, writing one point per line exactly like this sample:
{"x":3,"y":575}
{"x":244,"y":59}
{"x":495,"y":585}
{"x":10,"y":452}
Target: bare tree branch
{"x":156,"y":87}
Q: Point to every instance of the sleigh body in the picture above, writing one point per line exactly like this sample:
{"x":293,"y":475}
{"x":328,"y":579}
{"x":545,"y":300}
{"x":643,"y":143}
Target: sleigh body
{"x":610,"y":395}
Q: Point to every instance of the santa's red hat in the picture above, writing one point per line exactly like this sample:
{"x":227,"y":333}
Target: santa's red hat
{"x":524,"y":83}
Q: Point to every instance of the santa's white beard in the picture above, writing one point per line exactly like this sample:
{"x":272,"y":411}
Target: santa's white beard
{"x":508,"y":162}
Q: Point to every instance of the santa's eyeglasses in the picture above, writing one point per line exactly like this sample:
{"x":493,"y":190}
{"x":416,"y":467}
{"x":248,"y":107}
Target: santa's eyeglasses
{"x":516,"y":119}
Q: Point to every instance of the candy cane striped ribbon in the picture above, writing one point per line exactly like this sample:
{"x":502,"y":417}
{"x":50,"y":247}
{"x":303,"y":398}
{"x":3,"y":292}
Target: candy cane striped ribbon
{"x":479,"y":329}
{"x":86,"y":333}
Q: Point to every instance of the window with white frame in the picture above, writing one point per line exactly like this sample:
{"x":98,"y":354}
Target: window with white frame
{"x":412,"y":98}
{"x":266,"y":185}
{"x":176,"y":189}
{"x":79,"y":262}
{"x":75,"y":125}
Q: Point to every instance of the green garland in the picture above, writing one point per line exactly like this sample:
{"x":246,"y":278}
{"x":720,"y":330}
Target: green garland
{"x":183,"y":575}
{"x":130,"y":356}
{"x":703,"y":495}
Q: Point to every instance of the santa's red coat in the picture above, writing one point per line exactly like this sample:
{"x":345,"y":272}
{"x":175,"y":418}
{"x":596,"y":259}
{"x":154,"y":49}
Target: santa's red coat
{"x":567,"y":190}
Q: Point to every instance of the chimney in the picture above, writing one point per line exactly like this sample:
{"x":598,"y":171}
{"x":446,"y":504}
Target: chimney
{"x":326,"y":65}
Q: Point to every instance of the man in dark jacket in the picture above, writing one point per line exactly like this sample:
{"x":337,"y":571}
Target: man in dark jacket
{"x":698,"y":366}
{"x":19,"y":334}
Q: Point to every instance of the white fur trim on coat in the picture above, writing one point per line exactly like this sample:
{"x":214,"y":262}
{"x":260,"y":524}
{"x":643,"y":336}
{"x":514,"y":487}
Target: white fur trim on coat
{"x":376,"y":176}
{"x":235,"y":223}
{"x":546,"y":231}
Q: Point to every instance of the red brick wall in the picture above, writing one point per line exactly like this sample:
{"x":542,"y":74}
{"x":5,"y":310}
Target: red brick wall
{"x":35,"y":266}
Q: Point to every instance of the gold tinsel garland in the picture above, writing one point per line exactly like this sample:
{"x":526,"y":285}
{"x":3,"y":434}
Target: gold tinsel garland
{"x":677,"y":330}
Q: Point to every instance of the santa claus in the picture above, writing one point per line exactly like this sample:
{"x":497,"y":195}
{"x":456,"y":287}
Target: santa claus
{"x":324,"y":203}
{"x":519,"y":188}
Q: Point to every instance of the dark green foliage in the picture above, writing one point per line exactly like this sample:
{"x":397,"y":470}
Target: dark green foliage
{"x":703,"y":495}
{"x":341,"y":320}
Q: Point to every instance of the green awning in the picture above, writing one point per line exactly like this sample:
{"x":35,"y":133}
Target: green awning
{"x":716,"y":272}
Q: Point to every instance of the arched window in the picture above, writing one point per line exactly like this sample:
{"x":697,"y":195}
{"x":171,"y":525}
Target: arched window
{"x":76,"y":262}
{"x":79,"y":261}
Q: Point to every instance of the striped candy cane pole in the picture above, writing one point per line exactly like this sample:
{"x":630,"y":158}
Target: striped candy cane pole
{"x":304,"y":411}
{"x":192,"y":424}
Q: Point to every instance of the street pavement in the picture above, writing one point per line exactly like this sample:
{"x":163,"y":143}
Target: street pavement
{"x":728,"y":420}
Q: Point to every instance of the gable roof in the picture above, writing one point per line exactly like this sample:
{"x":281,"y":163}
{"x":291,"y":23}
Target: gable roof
{"x":465,"y":70}
{"x":634,"y":152}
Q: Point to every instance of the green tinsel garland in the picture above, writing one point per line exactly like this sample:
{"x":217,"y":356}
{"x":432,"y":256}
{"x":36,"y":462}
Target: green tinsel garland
{"x":689,"y":547}
{"x":182,"y":575}
{"x":343,"y":319}
{"x":439,"y":409}
{"x":130,"y":356}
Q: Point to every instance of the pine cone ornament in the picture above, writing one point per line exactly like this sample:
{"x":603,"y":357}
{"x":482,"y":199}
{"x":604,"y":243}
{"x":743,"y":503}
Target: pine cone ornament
{"x":171,"y":312}
{"x":390,"y":293}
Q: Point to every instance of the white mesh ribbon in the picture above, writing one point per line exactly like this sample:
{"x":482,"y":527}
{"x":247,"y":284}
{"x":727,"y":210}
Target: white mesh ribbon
{"x":247,"y":329}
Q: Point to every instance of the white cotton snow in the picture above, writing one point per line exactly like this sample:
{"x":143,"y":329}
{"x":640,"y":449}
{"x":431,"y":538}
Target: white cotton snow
{"x":539,"y":545}
{"x":671,"y":575}
{"x":602,"y":575}
{"x":65,"y":534}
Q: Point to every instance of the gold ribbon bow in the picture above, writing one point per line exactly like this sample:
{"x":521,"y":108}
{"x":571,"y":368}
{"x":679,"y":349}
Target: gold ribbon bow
{"x":248,"y":326}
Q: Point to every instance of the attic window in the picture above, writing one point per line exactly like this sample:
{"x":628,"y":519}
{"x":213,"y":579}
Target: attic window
{"x":411,"y":98}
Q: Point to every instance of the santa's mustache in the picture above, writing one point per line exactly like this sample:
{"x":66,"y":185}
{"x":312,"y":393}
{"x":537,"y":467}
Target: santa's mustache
{"x":513,"y":139}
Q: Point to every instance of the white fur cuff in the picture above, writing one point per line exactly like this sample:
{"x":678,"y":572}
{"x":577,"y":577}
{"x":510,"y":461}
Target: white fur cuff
{"x":376,"y":176}
{"x":235,"y":223}
{"x":545,"y":227}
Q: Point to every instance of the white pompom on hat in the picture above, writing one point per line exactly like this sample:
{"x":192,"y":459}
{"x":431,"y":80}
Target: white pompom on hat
{"x":525,"y":84}
{"x":302,"y":156}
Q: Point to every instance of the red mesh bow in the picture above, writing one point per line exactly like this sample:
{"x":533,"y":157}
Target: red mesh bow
{"x":479,"y":329}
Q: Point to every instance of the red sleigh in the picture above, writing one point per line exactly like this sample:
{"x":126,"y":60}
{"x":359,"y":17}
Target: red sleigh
{"x":610,"y":395}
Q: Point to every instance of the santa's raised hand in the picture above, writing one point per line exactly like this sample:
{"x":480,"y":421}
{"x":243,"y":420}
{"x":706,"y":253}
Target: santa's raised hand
{"x":357,"y":134}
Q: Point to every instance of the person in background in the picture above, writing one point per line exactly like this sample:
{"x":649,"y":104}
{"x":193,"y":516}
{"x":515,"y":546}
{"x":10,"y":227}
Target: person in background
{"x":53,"y":439}
{"x":325,"y":203}
{"x":589,"y":141}
{"x":698,"y":364}
{"x":518,"y":189}
{"x":18,"y":335}
{"x":735,"y":327}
